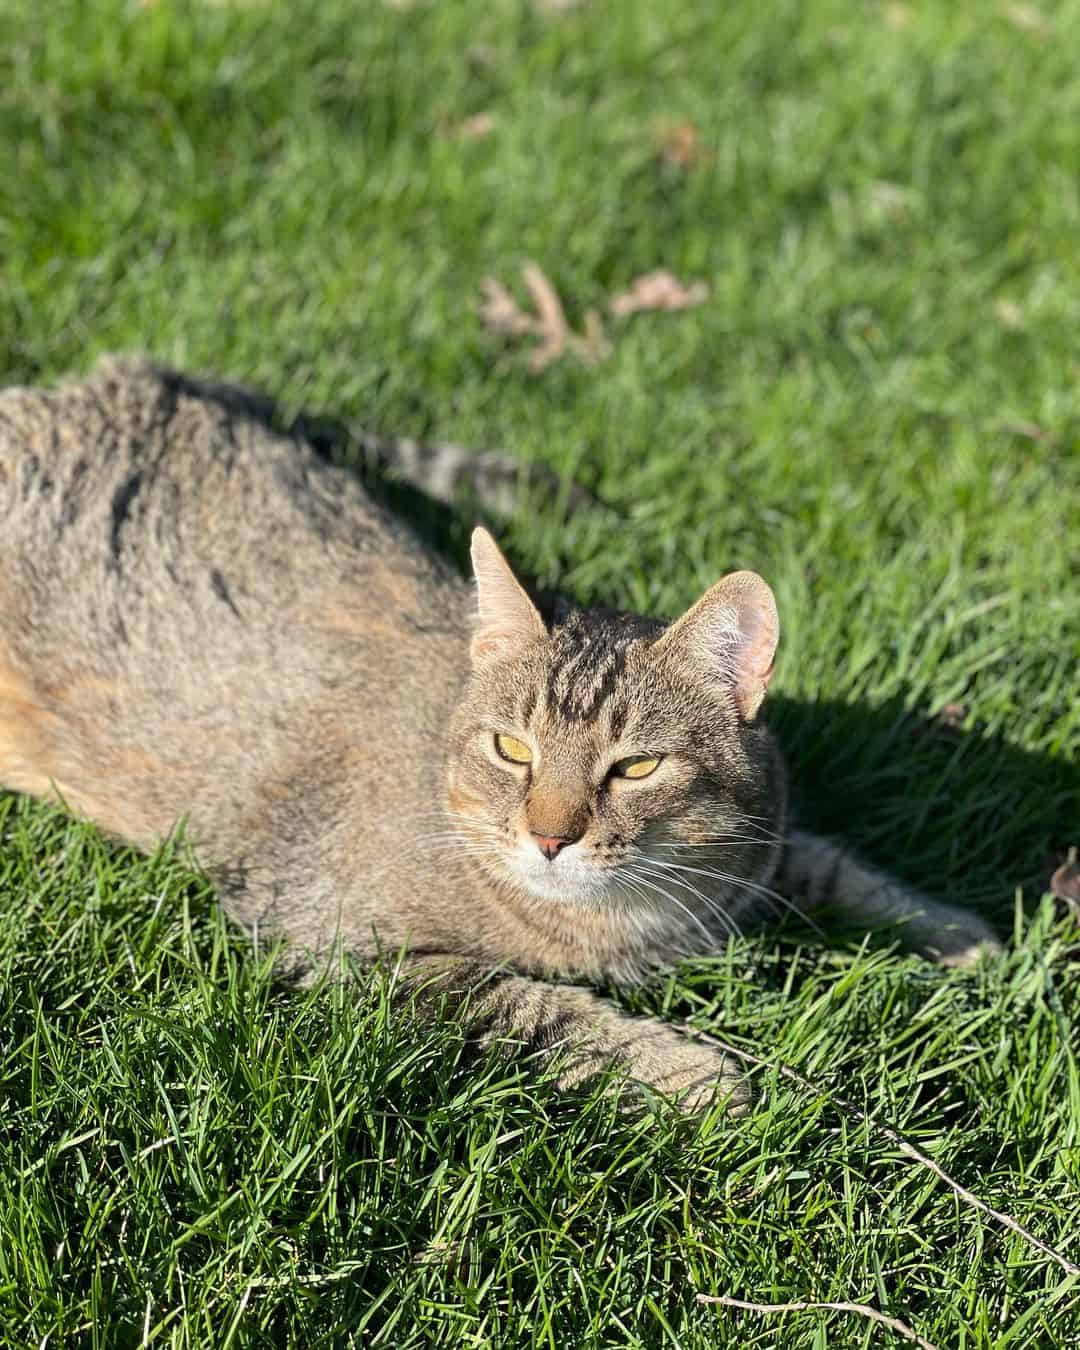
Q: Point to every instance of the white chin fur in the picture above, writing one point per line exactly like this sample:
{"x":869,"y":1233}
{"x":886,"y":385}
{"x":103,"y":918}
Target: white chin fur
{"x":566,"y":879}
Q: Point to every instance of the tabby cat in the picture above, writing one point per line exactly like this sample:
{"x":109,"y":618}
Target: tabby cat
{"x":201,"y":619}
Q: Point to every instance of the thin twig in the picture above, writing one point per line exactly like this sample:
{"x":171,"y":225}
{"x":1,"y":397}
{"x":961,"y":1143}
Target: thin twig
{"x":548,"y":305}
{"x":909,"y":1150}
{"x":893,"y":1323}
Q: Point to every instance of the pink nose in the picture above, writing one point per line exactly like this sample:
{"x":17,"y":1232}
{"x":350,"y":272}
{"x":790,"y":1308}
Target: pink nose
{"x":550,"y":844}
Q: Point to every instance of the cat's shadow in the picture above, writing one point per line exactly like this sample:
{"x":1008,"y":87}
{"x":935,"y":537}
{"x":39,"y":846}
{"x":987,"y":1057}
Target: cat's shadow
{"x":956,"y":812}
{"x":961,"y":814}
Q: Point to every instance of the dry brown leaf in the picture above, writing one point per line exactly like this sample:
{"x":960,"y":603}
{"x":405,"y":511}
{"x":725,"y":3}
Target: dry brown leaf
{"x":658,"y":290}
{"x":473,"y":128}
{"x":1065,"y":883}
{"x":501,"y":313}
{"x":679,"y":144}
{"x":946,"y":723}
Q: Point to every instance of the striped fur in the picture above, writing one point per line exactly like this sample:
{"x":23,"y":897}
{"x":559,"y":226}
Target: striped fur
{"x":446,"y":472}
{"x":826,"y":876}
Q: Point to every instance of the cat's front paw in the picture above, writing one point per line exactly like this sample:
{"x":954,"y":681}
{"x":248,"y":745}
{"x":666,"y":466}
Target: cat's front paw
{"x":969,"y":954}
{"x":696,"y":1077}
{"x":961,"y":939}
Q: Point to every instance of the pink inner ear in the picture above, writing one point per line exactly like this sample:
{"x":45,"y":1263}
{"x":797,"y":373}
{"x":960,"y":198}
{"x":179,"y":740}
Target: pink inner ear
{"x":732,"y":633}
{"x":756,"y":659}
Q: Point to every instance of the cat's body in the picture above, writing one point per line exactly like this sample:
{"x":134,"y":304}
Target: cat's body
{"x":201,"y":620}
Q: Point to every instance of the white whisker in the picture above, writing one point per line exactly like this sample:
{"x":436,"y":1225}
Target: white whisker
{"x":651,"y":884}
{"x":726,"y":920}
{"x":781,"y":902}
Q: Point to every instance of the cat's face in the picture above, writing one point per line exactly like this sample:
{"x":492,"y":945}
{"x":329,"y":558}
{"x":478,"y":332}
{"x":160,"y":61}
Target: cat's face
{"x":609,"y":759}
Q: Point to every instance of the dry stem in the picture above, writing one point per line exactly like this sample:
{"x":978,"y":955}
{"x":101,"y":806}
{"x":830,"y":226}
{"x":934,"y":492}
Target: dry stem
{"x":894,"y":1323}
{"x":909,"y":1150}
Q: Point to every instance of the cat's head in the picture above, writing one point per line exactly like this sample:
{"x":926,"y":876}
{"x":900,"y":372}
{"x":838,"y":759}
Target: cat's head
{"x":608,"y":757}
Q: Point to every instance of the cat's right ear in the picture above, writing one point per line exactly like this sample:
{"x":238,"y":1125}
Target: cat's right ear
{"x":507,"y":620}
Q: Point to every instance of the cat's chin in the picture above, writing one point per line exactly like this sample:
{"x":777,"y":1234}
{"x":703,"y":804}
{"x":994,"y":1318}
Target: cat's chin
{"x":564,"y":881}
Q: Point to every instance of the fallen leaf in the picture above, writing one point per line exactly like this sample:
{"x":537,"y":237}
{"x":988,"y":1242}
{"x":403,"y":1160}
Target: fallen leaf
{"x":1065,"y":883}
{"x":679,"y":144}
{"x":473,"y":128}
{"x":898,"y":16}
{"x":501,"y":313}
{"x":953,"y":715}
{"x":947,"y":723}
{"x":658,"y":290}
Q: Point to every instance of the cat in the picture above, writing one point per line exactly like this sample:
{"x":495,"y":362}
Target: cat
{"x":201,"y":620}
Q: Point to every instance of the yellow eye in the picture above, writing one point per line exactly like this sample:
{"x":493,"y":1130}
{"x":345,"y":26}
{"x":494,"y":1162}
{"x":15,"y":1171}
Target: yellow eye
{"x":517,"y":752}
{"x":636,"y":766}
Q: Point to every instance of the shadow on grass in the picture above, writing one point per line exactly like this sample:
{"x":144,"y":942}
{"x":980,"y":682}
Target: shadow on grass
{"x":955,"y":811}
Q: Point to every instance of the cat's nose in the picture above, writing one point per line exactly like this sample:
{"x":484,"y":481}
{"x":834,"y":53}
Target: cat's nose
{"x":551,"y":844}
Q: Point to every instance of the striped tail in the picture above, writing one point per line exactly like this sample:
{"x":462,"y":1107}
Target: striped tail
{"x":497,"y":482}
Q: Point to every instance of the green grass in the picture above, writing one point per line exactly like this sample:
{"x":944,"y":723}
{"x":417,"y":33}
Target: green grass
{"x":878,"y":409}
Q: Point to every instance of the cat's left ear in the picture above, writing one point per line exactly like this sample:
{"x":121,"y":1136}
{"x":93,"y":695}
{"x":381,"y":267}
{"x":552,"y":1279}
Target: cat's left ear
{"x":507,"y":620}
{"x":731,"y":633}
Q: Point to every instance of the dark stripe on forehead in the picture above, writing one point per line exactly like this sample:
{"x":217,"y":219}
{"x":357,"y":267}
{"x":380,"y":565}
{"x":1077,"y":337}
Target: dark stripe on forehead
{"x":620,"y":715}
{"x":531,"y":695}
{"x":587,"y":677}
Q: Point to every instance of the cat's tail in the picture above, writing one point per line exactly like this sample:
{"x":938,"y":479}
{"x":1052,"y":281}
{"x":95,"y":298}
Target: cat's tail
{"x":448,"y":473}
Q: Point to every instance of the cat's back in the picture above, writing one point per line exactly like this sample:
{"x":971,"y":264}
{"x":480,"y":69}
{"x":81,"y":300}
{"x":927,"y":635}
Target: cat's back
{"x":179,"y":583}
{"x":141,"y":469}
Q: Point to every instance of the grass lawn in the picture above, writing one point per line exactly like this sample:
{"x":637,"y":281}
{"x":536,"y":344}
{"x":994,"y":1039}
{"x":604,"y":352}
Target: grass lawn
{"x":877,"y":407}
